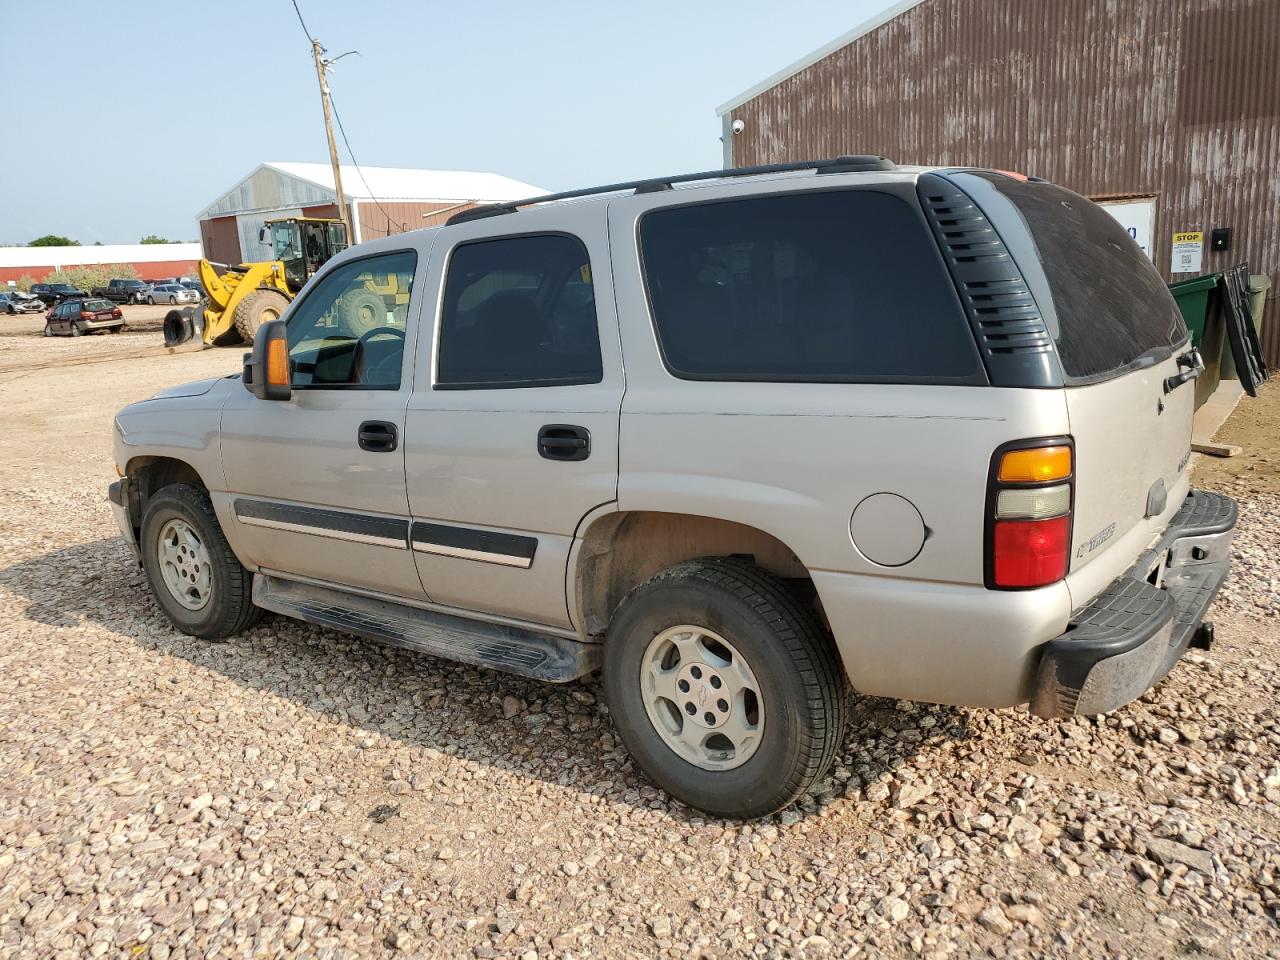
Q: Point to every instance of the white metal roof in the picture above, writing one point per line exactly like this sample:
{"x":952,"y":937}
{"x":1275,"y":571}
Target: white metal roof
{"x":879,"y":20}
{"x":280,"y":184}
{"x":111,"y":253}
{"x":400,"y":183}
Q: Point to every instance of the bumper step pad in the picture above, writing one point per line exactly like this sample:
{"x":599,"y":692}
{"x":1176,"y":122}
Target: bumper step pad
{"x":1129,"y":637}
{"x":496,"y":646}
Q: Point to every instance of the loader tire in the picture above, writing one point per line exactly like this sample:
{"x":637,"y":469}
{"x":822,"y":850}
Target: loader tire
{"x":256,"y":309}
{"x":364,"y":310}
{"x":177,"y":328}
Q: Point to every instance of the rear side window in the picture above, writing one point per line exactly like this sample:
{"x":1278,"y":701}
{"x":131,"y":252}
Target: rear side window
{"x":1113,"y":309}
{"x":519,"y":312}
{"x":825,"y":286}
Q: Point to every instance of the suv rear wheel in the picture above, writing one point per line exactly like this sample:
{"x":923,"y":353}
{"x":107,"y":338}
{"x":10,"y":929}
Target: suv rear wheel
{"x":724,"y":688}
{"x":194,"y":576}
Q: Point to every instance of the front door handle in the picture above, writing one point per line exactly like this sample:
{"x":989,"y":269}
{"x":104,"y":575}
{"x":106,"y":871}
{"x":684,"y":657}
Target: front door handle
{"x":564,"y":441}
{"x":378,"y":436}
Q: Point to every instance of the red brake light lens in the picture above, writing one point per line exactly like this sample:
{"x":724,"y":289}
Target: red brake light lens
{"x":1030,"y":553}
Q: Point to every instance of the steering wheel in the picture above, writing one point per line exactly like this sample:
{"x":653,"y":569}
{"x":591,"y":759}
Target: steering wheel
{"x":365,"y":338}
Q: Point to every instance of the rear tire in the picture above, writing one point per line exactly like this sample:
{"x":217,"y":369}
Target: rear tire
{"x":196,"y":579}
{"x":799,"y":698}
{"x":258,"y":308}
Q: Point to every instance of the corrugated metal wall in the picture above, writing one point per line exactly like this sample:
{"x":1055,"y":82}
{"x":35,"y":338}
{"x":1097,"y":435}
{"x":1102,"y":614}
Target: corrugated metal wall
{"x":389,"y":217}
{"x":1175,"y":98}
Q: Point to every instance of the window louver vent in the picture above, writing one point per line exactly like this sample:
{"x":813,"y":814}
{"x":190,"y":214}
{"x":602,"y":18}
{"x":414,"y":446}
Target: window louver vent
{"x":1010,"y":331}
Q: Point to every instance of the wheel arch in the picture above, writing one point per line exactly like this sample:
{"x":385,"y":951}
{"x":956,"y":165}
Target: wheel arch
{"x":619,"y":550}
{"x":149,"y":473}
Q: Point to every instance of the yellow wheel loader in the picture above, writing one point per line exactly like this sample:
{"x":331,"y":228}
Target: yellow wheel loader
{"x":239,"y":298}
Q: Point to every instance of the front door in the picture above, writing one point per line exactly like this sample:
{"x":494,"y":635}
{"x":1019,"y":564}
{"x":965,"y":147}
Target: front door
{"x":316,"y":483}
{"x":513,"y":423}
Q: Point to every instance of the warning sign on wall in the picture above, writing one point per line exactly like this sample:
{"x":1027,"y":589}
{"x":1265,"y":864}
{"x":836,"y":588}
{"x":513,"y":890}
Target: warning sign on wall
{"x":1188,"y":252}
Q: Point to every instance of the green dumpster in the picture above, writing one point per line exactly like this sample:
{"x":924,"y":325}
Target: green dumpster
{"x":1192,"y":297}
{"x":1208,"y":333}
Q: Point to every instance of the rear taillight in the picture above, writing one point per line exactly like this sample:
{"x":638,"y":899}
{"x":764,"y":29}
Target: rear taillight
{"x":116,"y":314}
{"x":86,"y":315}
{"x":1031,"y":491}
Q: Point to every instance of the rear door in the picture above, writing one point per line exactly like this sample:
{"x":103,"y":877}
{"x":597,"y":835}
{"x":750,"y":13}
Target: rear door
{"x":512,"y":428}
{"x":1119,"y":338}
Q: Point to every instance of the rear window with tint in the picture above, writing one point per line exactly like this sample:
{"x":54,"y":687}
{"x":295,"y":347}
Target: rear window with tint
{"x":826,"y":286}
{"x":1114,"y":311}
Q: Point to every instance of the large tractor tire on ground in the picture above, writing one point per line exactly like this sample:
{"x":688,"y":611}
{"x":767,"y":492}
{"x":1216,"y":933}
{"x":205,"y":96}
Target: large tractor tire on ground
{"x":258,"y":308}
{"x":177,"y":328}
{"x":364,"y":311}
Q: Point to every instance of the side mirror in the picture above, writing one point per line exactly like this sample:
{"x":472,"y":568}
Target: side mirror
{"x":266,"y":367}
{"x":264,"y":237}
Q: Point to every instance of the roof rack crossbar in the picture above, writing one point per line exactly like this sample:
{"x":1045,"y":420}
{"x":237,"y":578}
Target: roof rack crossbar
{"x":847,"y":164}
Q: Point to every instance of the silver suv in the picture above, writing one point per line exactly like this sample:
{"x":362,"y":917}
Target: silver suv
{"x":743,"y":441}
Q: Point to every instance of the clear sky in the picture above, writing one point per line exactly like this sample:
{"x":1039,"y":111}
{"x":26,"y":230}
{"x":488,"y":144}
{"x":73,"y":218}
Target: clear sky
{"x":123,"y":119}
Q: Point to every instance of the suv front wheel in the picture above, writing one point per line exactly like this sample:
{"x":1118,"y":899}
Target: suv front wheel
{"x":196,"y":579}
{"x":724,"y":688}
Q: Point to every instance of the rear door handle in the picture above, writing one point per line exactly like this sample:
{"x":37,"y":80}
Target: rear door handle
{"x":564,"y":441}
{"x":378,"y":436}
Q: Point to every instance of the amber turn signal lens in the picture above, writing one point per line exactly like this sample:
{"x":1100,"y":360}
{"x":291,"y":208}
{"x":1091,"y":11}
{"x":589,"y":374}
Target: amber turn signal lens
{"x":277,"y":363}
{"x":1035,"y":465}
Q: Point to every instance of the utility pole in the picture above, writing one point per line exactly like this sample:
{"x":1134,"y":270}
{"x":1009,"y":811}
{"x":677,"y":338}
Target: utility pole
{"x":318,"y":51}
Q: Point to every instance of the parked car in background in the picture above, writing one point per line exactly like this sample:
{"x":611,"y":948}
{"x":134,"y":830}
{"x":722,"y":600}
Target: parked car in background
{"x":74,"y":318}
{"x":173,"y":293}
{"x":195,"y":285}
{"x":54,"y":293}
{"x":123,"y":291}
{"x":14,"y":301}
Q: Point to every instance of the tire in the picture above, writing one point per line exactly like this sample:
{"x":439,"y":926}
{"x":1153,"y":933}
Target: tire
{"x":151,"y":300}
{"x":173,"y":301}
{"x":256,"y":309}
{"x":75,"y":329}
{"x":802,"y":692}
{"x":228,"y":608}
{"x":177,"y":328}
{"x":47,"y":331}
{"x":364,"y":310}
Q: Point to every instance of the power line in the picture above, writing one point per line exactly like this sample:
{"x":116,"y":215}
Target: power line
{"x":338,"y":117}
{"x":301,"y":21}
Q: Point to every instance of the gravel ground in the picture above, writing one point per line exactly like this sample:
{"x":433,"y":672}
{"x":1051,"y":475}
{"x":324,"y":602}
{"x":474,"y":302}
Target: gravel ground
{"x":297,"y":791}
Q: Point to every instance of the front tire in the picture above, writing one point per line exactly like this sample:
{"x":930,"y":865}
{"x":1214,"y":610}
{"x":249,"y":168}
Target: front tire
{"x":724,"y":688}
{"x":256,"y":309}
{"x":76,"y":331}
{"x":197,"y":580}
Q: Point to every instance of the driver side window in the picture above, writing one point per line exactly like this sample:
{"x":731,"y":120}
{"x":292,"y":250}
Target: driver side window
{"x":348,"y":332}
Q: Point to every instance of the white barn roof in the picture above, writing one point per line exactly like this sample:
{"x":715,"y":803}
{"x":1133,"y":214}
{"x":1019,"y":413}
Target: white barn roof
{"x":278,"y":185}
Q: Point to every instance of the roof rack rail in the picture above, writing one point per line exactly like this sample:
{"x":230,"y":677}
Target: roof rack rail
{"x":845,"y":164}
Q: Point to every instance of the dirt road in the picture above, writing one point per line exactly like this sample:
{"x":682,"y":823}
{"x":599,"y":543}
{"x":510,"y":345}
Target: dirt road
{"x":299,"y":791}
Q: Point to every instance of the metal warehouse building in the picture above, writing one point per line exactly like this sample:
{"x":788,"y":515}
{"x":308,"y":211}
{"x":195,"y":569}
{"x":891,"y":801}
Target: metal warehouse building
{"x":1170,"y":105}
{"x":380,"y":201}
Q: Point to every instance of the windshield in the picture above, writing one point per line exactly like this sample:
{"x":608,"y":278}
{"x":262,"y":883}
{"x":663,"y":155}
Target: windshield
{"x":1113,"y":310}
{"x":285,"y":241}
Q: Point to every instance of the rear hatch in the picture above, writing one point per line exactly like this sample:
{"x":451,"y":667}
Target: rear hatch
{"x":1119,"y":337}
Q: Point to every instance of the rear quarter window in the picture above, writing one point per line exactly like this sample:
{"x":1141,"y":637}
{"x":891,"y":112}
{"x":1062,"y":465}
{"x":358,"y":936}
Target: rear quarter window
{"x":1113,"y":310}
{"x":827,"y":286}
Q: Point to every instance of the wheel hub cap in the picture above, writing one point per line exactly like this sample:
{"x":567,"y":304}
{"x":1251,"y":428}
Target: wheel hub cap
{"x":702,"y":697}
{"x":184,"y":564}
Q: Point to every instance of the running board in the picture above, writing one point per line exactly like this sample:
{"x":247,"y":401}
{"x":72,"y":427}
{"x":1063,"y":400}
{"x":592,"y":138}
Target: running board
{"x":493,"y":645}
